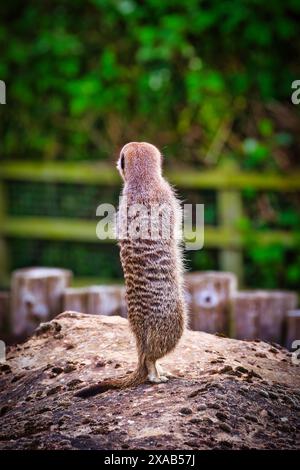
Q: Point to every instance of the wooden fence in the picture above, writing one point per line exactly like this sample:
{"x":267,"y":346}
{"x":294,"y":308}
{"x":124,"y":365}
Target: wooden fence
{"x":227,"y":181}
{"x":214,"y":305}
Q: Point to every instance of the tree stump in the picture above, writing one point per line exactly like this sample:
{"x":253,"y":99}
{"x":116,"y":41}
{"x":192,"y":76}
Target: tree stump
{"x":293,"y":328}
{"x":97,"y":300}
{"x":4,"y":313}
{"x":245,"y":315}
{"x":261,"y":314}
{"x":75,"y":299}
{"x":36,"y":296}
{"x":274,"y":308}
{"x":208,"y":295}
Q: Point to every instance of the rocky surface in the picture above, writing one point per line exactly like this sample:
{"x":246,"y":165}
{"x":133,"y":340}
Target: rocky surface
{"x":227,"y":394}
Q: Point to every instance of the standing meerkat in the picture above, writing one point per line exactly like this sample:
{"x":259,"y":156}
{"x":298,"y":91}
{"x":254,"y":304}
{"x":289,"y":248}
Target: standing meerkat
{"x":152,"y":262}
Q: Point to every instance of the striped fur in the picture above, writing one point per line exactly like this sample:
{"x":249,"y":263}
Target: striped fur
{"x":152,"y":268}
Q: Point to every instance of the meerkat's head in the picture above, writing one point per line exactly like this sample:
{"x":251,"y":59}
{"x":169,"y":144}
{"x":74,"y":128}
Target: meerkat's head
{"x":139,"y":161}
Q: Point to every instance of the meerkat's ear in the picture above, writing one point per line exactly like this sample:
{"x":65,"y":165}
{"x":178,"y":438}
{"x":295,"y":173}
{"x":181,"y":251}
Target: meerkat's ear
{"x":121,"y":165}
{"x":122,"y":161}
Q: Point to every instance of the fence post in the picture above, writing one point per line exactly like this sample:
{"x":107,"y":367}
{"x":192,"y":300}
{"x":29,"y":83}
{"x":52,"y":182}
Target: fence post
{"x":3,"y":245}
{"x":230,"y":211}
{"x":36,"y":296}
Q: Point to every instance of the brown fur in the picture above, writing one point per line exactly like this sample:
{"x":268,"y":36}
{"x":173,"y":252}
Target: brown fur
{"x":152,"y":269}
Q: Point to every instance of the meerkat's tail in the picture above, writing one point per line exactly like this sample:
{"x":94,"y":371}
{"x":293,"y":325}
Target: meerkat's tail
{"x":135,"y":378}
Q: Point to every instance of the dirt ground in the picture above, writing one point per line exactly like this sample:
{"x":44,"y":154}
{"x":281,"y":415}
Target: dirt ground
{"x":227,"y":394}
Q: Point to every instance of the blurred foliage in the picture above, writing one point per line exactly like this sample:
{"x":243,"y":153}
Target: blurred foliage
{"x":83,"y":77}
{"x":89,"y":259}
{"x":58,"y":200}
{"x":272,"y":267}
{"x":206,"y":260}
{"x":203,"y":80}
{"x":85,"y":259}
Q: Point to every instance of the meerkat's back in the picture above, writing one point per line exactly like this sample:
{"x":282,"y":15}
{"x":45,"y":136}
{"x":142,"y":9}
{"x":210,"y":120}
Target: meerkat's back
{"x":149,"y":226}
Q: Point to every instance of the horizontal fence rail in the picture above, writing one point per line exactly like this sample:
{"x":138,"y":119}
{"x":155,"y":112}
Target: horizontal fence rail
{"x":227,"y":236}
{"x":92,"y":173}
{"x":49,"y":228}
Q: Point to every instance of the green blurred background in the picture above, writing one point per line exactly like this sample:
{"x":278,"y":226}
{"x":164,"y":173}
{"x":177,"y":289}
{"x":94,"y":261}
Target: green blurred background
{"x":206,"y":81}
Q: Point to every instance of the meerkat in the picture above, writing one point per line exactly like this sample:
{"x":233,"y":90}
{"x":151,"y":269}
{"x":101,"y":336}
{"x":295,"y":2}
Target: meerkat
{"x":153,"y":267}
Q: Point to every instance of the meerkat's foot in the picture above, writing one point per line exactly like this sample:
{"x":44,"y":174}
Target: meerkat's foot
{"x":154,"y":376}
{"x":163,"y":378}
{"x":167,"y":374}
{"x":163,"y":373}
{"x":157,"y":380}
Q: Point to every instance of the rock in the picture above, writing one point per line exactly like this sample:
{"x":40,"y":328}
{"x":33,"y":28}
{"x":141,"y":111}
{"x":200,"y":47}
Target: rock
{"x":202,"y":407}
{"x":226,"y":369}
{"x":226,"y":444}
{"x":221,"y":416}
{"x":260,"y":354}
{"x":57,"y":370}
{"x":4,"y":410}
{"x":44,"y":328}
{"x":73,"y":384}
{"x":69,"y":368}
{"x":225,"y":427}
{"x":263,"y":414}
{"x":263,"y":393}
{"x":54,"y":390}
{"x":216,"y":406}
{"x":5,"y":368}
{"x":252,"y":373}
{"x":186,"y":411}
{"x":252,"y":418}
{"x":195,"y":420}
{"x":193,"y":394}
{"x":242,"y":369}
{"x":39,"y":410}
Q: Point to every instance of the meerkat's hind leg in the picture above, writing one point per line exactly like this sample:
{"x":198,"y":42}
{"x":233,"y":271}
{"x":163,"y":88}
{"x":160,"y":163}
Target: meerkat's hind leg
{"x":153,"y":375}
